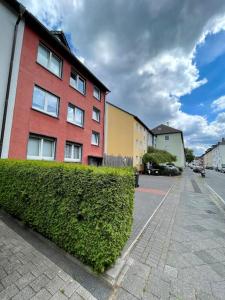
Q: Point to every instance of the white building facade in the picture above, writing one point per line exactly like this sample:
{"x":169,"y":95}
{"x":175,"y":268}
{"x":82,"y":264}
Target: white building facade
{"x":171,"y":140}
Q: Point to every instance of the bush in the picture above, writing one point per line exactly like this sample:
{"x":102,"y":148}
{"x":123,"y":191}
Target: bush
{"x":85,"y":210}
{"x":157,"y":156}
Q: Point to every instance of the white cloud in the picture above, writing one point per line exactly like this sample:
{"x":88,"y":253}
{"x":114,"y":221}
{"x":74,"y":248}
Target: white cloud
{"x":144,"y":54}
{"x":218,"y":104}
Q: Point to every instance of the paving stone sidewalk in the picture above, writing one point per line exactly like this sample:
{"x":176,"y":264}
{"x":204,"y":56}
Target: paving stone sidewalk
{"x":181,"y":255}
{"x":27,"y":274}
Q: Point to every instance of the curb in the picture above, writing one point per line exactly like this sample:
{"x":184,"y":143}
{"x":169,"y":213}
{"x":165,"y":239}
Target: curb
{"x":216,"y":196}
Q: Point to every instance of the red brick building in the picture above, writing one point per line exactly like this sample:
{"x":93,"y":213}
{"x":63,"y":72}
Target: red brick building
{"x":58,"y":108}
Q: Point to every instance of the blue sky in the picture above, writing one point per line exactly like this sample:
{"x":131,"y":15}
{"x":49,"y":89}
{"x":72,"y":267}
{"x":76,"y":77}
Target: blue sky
{"x":210,"y":61}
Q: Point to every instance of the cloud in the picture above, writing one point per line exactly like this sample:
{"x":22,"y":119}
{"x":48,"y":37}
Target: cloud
{"x":218,"y":104}
{"x":144,"y":52}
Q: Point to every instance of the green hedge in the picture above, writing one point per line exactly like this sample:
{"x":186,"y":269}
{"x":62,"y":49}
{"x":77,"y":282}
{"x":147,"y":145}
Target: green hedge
{"x":85,"y":210}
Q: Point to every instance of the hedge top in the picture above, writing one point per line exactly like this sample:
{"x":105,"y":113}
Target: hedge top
{"x":122,"y":171}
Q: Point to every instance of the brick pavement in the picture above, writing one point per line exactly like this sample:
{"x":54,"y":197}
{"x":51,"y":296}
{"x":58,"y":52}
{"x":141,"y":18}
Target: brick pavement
{"x":181,"y":254}
{"x":27,"y":274}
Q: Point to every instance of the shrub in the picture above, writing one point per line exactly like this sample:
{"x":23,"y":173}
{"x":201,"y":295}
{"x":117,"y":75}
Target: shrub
{"x":85,"y":210}
{"x":157,"y":156}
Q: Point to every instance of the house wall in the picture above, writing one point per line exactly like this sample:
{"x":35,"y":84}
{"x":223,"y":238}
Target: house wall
{"x":174,"y":145}
{"x":140,"y":143}
{"x":119,"y":132}
{"x":219,"y":156}
{"x":8,"y":20}
{"x":26,"y":120}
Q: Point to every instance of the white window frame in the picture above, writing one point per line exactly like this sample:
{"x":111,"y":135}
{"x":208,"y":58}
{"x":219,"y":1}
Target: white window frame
{"x":46,"y":103}
{"x":49,"y":61}
{"x":41,"y":143}
{"x":167,"y":137}
{"x":74,"y":109}
{"x":77,"y":81}
{"x":94,"y":132}
{"x":99,"y":114}
{"x":73,"y":159}
{"x":98,"y":91}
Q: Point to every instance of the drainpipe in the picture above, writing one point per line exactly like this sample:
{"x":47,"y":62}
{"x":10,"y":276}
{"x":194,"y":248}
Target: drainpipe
{"x":22,"y":10}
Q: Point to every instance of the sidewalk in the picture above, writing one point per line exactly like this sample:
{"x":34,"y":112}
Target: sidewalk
{"x":181,"y":254}
{"x":27,"y":274}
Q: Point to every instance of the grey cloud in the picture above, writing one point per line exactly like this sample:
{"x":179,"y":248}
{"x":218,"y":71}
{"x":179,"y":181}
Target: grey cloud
{"x":118,"y":39}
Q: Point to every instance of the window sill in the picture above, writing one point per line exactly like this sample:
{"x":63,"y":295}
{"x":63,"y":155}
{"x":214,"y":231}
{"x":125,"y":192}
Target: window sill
{"x":72,"y":160}
{"x":59,"y":77}
{"x":96,"y":121}
{"x":83,"y":94}
{"x":40,"y":158}
{"x":97,"y":98}
{"x":44,"y":113}
{"x":95,"y":145}
{"x":82,"y":127}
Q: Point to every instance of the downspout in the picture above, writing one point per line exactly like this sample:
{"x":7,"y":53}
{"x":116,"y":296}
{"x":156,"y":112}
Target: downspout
{"x":22,"y":10}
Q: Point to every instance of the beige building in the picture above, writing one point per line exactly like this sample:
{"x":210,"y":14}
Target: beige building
{"x":125,"y":135}
{"x":171,"y":140}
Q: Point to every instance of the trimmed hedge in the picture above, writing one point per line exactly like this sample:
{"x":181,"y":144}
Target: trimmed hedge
{"x":85,"y":210}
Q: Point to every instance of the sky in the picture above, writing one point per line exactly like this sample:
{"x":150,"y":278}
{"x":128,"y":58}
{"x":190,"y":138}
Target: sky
{"x":163,"y":60}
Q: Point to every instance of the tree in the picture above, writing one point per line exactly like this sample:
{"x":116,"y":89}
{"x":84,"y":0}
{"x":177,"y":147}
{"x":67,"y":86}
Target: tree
{"x":157,"y":156}
{"x":189,"y":155}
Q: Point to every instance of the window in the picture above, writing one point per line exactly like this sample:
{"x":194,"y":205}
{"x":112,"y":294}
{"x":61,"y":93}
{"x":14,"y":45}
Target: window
{"x":73,"y":152}
{"x":97,"y":93}
{"x":75,"y":115}
{"x":96,"y":114}
{"x":41,"y":148}
{"x":49,"y":60}
{"x":166,"y":138}
{"x":77,"y":82}
{"x":95,"y":138}
{"x":45,"y":101}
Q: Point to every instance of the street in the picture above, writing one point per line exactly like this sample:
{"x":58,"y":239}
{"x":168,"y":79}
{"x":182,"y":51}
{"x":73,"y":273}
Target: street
{"x":180,"y":254}
{"x":216,"y":181}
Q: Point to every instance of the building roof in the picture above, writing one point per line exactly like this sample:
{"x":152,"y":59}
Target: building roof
{"x":59,"y":34}
{"x":164,"y":129}
{"x":134,"y":116}
{"x":55,"y":41}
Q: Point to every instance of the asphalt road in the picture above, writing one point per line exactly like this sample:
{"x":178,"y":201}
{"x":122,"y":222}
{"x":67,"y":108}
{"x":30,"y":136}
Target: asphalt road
{"x":216,"y":181}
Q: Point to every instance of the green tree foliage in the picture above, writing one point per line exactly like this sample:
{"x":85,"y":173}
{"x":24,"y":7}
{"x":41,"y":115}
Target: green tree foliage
{"x":189,"y":155}
{"x":85,"y":210}
{"x":157,"y":156}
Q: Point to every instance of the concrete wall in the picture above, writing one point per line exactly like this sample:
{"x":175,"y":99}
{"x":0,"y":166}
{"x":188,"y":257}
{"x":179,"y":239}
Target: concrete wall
{"x":140,"y":143}
{"x":8,"y":20}
{"x":174,"y":145}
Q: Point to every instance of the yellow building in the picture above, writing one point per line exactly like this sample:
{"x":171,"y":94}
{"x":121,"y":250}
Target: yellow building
{"x":125,"y":135}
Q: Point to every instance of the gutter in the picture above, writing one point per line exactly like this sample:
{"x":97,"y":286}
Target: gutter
{"x":21,"y":13}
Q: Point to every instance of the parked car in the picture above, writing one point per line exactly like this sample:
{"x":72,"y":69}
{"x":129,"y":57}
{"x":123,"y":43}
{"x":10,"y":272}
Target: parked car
{"x":151,"y":169}
{"x":197,"y":169}
{"x":169,"y":170}
{"x":222,"y":170}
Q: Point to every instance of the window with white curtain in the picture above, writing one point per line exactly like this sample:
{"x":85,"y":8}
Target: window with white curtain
{"x":75,"y":115}
{"x":96,"y":114}
{"x":73,"y":152}
{"x":49,"y":60}
{"x":95,"y":138}
{"x":77,"y":82}
{"x":45,"y":101}
{"x":97,"y":93}
{"x":41,"y":148}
